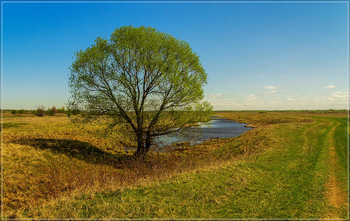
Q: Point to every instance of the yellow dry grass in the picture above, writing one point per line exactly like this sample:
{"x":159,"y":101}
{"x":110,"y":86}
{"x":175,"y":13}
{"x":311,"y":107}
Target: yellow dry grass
{"x":49,"y":158}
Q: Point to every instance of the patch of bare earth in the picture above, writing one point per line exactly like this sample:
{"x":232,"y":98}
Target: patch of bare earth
{"x":335,"y":194}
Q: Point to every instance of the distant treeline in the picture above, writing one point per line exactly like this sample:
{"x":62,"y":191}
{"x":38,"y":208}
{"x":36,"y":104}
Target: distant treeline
{"x":42,"y":111}
{"x":284,"y":111}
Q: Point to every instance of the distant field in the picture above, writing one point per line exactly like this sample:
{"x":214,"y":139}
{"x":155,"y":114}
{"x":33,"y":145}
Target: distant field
{"x":292,"y":165}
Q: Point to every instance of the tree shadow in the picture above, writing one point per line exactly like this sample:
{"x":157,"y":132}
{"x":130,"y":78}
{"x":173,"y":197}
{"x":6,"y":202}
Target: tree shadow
{"x":78,"y":149}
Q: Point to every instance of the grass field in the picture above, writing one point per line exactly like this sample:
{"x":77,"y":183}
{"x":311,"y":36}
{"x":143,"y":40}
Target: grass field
{"x":292,"y":165}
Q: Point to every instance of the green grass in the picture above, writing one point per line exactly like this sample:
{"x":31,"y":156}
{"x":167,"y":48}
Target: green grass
{"x":341,"y":139}
{"x":286,"y":180}
{"x":9,"y":125}
{"x":341,"y":134}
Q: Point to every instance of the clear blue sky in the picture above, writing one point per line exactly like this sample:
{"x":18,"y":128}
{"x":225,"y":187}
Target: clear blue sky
{"x":257,"y":55}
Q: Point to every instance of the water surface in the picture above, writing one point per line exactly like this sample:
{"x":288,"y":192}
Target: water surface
{"x":216,"y":128}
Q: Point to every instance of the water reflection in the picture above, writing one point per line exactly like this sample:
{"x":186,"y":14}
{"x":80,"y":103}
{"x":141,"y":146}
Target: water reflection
{"x":216,"y":128}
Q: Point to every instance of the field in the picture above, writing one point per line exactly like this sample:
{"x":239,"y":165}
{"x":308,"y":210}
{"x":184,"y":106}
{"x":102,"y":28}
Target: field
{"x":291,"y":165}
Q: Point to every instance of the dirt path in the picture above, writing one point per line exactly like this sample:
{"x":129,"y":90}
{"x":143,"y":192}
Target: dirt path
{"x":335,"y":194}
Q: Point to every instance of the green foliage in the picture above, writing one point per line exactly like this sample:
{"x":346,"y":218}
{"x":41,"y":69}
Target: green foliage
{"x":52,"y":111}
{"x":40,"y":111}
{"x":71,"y":112}
{"x":22,"y":111}
{"x":143,"y":78}
{"x":61,"y":110}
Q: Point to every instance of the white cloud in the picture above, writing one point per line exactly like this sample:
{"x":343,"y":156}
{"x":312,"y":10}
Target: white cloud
{"x":340,"y":94}
{"x":251,"y":97}
{"x":329,"y":86}
{"x":284,"y":76}
{"x":270,"y":87}
{"x":331,"y":100}
{"x":214,"y":96}
{"x":270,"y":92}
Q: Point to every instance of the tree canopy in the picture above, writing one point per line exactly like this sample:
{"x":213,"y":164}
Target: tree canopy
{"x":147,"y":80}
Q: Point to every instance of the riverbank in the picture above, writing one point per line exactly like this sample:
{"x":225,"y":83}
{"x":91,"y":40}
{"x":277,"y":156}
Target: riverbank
{"x":48,"y":159}
{"x":215,"y":129}
{"x":279,"y":169}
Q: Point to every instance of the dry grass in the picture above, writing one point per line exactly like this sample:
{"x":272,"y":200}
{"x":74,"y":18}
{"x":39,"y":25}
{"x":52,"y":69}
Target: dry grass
{"x":49,"y":158}
{"x":261,"y":118}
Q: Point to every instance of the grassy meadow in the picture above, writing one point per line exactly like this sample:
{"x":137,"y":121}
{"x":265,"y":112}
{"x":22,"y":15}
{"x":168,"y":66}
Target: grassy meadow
{"x":290,"y":165}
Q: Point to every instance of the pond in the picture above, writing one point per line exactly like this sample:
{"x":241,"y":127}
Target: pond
{"x":216,"y":128}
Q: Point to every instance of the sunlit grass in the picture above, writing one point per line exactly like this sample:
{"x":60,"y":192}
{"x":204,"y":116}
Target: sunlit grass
{"x":278,"y":169}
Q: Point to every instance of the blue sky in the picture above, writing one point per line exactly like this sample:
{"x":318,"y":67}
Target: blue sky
{"x":257,"y":55}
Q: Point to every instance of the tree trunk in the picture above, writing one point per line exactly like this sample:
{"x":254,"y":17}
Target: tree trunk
{"x":148,"y":142}
{"x":140,"y":152}
{"x":142,"y":146}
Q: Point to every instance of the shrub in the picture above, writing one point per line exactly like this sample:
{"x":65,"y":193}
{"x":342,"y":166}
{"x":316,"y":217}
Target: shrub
{"x":73,"y":112}
{"x":61,"y":110}
{"x":22,"y":111}
{"x":52,"y":112}
{"x":40,"y":111}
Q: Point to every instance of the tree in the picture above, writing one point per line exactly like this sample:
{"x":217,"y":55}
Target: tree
{"x":52,"y":111}
{"x":40,"y":111}
{"x":61,"y":110}
{"x":149,"y":81}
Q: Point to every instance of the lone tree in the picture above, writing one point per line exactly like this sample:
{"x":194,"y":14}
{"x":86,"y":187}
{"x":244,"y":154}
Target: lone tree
{"x":146,"y":80}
